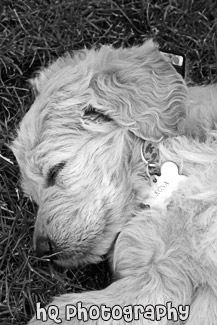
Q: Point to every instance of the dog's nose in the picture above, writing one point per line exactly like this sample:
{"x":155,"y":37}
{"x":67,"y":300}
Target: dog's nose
{"x":43,"y":246}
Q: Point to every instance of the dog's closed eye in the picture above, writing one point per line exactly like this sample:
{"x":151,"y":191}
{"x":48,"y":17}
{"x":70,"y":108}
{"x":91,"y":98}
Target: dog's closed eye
{"x":95,"y":116}
{"x":53,"y":173}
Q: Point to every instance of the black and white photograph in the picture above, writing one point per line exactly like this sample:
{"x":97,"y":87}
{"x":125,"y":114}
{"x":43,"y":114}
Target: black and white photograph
{"x":108,"y":162}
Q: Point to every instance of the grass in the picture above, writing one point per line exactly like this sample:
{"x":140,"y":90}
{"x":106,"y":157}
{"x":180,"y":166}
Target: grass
{"x":34,"y":32}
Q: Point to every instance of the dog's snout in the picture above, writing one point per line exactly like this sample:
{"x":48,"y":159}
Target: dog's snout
{"x":43,"y":246}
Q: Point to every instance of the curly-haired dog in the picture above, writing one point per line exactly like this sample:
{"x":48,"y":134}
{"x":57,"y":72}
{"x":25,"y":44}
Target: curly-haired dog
{"x":79,"y":151}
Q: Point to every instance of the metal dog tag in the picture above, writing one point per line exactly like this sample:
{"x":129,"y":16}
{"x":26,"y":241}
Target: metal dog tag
{"x":176,"y":59}
{"x":165,"y":185}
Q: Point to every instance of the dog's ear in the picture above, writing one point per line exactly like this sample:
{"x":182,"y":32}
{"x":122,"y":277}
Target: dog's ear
{"x":145,"y":93}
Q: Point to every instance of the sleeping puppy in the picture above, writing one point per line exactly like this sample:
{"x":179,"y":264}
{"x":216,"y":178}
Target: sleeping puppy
{"x":79,"y":148}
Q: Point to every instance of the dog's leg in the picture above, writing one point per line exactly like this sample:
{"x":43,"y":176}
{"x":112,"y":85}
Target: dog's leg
{"x":204,"y":308}
{"x":142,"y":294}
{"x":151,"y":273}
{"x":202,"y":110}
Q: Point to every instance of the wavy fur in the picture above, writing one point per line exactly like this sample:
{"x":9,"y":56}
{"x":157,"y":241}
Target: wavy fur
{"x":91,"y":115}
{"x":170,"y":255}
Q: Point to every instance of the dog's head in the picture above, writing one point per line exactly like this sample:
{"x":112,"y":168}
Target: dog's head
{"x":78,"y":145}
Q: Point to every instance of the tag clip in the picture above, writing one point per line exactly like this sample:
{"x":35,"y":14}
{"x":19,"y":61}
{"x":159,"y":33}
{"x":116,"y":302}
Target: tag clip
{"x":148,"y":166}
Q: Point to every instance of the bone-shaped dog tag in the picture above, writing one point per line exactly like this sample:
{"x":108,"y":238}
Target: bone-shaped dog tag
{"x":165,"y":185}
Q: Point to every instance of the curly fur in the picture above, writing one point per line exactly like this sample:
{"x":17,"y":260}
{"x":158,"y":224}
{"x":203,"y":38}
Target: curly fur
{"x":170,"y":255}
{"x":159,"y":256}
